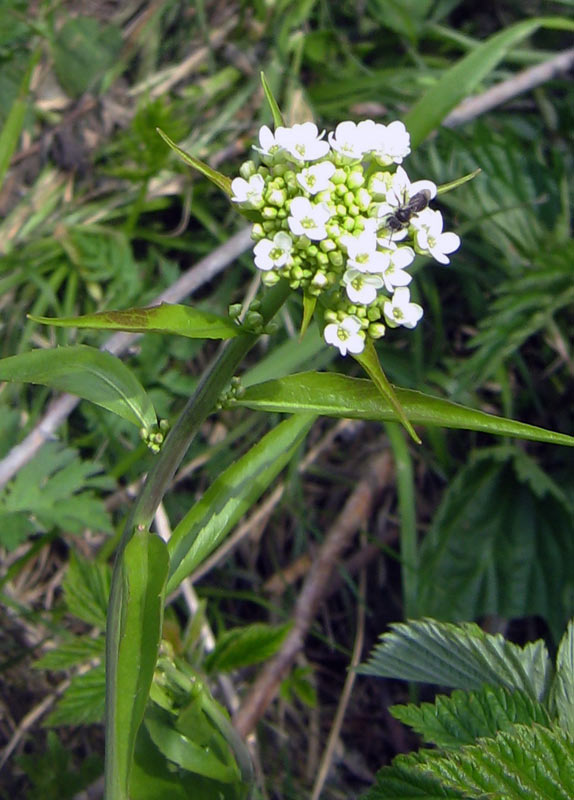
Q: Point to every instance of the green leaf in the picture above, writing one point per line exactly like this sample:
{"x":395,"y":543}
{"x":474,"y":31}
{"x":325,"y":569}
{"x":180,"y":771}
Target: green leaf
{"x":527,"y":761}
{"x":83,"y":51}
{"x":460,"y":656}
{"x":563,"y":686}
{"x":154,"y":778}
{"x":52,"y":490}
{"x":88,"y":373}
{"x":513,"y":563}
{"x":83,"y":702}
{"x":184,"y":752}
{"x":220,"y":180}
{"x":466,"y":716}
{"x":242,"y":647}
{"x":401,"y":781}
{"x":165,"y":318}
{"x":369,"y":360}
{"x":336,"y":395}
{"x":86,"y":587}
{"x":276,"y":113}
{"x":72,"y":653}
{"x":12,"y":128}
{"x":205,"y":526}
{"x":134,"y":624}
{"x":461,"y":80}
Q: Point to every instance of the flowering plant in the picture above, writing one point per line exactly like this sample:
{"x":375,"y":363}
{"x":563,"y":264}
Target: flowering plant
{"x":339,"y":218}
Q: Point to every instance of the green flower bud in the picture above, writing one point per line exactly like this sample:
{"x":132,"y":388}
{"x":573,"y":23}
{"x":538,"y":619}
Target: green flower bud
{"x":234,"y":310}
{"x":327,"y":245}
{"x":269,"y":278}
{"x":339,"y":177}
{"x":296,"y":273}
{"x":247,"y":170}
{"x":354,"y":210}
{"x":356,"y":178}
{"x":268,"y":212}
{"x":363,"y":199}
{"x":374,"y":313}
{"x":340,"y":189}
{"x":276,"y":196}
{"x":376,"y":330}
{"x":323,"y":259}
{"x":257,"y":232}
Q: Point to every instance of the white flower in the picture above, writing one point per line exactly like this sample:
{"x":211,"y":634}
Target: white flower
{"x":400,"y":311}
{"x":361,"y":288}
{"x":345,"y":335}
{"x":307,"y":219}
{"x":395,"y":274}
{"x":351,"y":140}
{"x":249,"y":192}
{"x":268,"y":141}
{"x":315,"y":179}
{"x":270,"y":254}
{"x":392,"y":143}
{"x":303,"y":142}
{"x":363,"y":253}
{"x":429,"y":237}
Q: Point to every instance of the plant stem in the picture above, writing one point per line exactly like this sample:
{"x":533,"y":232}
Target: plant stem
{"x":198,"y":407}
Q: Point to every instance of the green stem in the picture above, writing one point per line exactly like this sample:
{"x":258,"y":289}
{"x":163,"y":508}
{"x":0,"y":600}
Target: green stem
{"x":407,"y":506}
{"x":199,"y":406}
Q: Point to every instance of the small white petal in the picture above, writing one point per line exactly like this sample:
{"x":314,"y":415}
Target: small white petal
{"x":345,"y":335}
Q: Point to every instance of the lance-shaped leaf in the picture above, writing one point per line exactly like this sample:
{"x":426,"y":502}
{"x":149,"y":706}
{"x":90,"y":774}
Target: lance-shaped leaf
{"x":165,"y":318}
{"x":277,"y":116}
{"x":334,"y":395}
{"x":218,"y":178}
{"x":462,"y":79}
{"x":205,"y":526}
{"x":86,"y":372}
{"x":134,"y":629}
{"x":369,"y":360}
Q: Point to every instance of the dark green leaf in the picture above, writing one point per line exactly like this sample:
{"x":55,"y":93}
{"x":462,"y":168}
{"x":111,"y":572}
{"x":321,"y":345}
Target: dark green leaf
{"x":165,"y":318}
{"x":86,"y":588}
{"x":340,"y":396}
{"x":527,"y":761}
{"x":401,"y":782}
{"x":466,"y":716}
{"x":88,"y":373}
{"x":83,"y":702}
{"x":459,"y":656}
{"x":514,"y":562}
{"x":72,"y":653}
{"x":563,"y":687}
{"x":83,"y":51}
{"x":241,"y":647}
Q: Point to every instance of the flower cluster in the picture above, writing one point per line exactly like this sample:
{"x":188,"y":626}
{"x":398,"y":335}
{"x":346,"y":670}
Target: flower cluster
{"x":339,"y":218}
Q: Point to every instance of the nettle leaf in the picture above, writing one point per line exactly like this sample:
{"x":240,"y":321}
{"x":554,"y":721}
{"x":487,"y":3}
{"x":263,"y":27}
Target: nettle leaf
{"x":241,"y":647}
{"x":53,"y":490}
{"x":83,"y":702}
{"x":466,"y":716}
{"x":527,"y":761}
{"x":86,"y":588}
{"x":459,"y":656}
{"x":86,"y":372}
{"x":563,"y":687}
{"x":401,"y":781}
{"x":72,"y":653}
{"x":165,"y":318}
{"x":335,"y":395}
{"x":512,"y":563}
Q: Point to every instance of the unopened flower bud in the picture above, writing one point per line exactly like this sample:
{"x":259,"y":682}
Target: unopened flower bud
{"x":247,"y":169}
{"x":270,"y":278}
{"x":376,"y":330}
